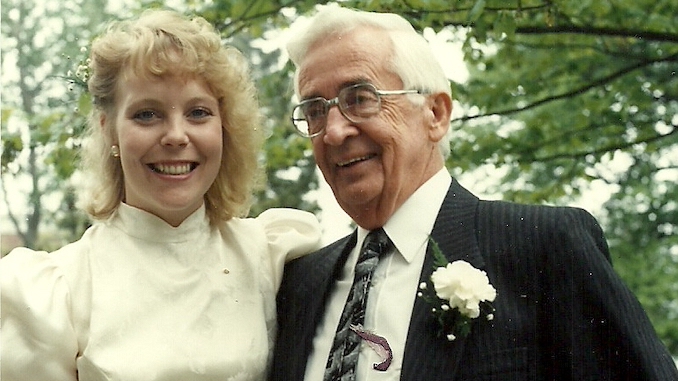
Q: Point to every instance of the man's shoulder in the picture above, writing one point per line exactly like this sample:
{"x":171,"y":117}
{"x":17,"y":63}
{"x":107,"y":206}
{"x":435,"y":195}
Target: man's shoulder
{"x":514,"y":210}
{"x":502,"y":220}
{"x":339,"y":244}
{"x":322,"y":254}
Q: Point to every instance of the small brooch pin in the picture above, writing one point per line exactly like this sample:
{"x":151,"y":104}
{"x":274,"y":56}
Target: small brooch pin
{"x":458,"y":294}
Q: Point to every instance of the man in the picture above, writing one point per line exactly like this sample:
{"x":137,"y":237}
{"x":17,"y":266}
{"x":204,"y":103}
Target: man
{"x":560,"y":312}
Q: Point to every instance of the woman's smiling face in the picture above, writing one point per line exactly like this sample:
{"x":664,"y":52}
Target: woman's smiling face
{"x":170,"y":133}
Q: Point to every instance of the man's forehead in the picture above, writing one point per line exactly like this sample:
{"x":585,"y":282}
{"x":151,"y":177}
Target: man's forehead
{"x":341,"y":62}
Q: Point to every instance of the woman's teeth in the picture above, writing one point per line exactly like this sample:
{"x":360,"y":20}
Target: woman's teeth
{"x":174,"y":169}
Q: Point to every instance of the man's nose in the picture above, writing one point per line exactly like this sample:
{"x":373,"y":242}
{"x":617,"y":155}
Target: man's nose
{"x":338,"y":127}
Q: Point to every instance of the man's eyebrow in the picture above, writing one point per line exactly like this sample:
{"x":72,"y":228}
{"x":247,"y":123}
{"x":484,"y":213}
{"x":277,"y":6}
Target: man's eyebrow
{"x":343,"y":85}
{"x":354,"y":82}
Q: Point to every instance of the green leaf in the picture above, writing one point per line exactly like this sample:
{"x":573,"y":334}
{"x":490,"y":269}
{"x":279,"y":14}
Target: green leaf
{"x":505,"y":25}
{"x":439,"y":259}
{"x":475,"y":12}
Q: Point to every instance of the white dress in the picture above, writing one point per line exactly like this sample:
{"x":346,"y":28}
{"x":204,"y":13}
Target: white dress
{"x":136,"y":299}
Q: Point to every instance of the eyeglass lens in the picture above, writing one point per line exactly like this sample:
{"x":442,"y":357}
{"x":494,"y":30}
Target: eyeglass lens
{"x":356,"y":103}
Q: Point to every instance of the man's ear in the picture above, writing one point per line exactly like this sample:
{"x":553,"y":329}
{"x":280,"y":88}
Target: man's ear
{"x":440,"y":105}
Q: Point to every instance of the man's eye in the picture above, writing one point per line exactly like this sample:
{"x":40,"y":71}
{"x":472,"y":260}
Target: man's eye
{"x":314,"y":110}
{"x":361,"y":97}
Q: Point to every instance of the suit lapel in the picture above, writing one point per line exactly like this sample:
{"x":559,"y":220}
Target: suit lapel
{"x":428,"y":357}
{"x":321,"y":278}
{"x":306,"y":284}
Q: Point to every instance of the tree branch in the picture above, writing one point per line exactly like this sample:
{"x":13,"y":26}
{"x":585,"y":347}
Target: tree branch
{"x":608,"y":148}
{"x":598,"y":31}
{"x":417,"y":13}
{"x":10,"y":214}
{"x":246,"y":20}
{"x":571,"y":93}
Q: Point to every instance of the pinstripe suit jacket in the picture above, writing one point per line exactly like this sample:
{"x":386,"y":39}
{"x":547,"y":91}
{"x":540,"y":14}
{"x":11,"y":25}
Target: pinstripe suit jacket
{"x":561,"y":311}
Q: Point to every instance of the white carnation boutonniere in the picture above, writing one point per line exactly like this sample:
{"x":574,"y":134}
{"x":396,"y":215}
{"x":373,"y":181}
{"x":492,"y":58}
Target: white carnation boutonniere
{"x":458,"y":293}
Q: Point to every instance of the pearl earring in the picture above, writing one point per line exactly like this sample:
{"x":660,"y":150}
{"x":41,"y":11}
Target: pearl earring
{"x":115,"y":151}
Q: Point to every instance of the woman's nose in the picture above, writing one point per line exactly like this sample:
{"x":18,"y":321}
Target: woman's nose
{"x":175,"y":134}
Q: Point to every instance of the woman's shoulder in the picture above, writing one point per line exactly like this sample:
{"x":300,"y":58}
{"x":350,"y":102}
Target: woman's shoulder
{"x":24,"y":272}
{"x":274,"y":221}
{"x":285,"y":232}
{"x":25,"y":269}
{"x":23,"y":259}
{"x":44,"y":304}
{"x":288,"y":219}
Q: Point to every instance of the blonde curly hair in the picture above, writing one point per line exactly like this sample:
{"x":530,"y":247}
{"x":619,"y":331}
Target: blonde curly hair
{"x":160,"y":43}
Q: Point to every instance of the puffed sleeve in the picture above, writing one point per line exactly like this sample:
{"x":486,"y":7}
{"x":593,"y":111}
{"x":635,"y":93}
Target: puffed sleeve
{"x":38,"y":341}
{"x":290,"y":233}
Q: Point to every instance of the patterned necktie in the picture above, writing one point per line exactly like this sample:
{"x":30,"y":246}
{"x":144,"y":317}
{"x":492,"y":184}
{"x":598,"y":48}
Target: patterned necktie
{"x":343,"y":357}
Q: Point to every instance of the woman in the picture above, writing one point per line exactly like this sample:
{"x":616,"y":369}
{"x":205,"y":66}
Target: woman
{"x":170,"y":282}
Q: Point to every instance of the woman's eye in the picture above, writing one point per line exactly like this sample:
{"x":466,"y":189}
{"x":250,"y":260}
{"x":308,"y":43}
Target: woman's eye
{"x":200,"y":113}
{"x":145,"y":115}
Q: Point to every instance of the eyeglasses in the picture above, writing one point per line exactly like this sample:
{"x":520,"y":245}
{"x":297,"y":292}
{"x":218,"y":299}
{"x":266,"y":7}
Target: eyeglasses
{"x":357,"y":103}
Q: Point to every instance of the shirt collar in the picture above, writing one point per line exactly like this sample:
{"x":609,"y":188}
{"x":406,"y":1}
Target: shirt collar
{"x":410,"y":226}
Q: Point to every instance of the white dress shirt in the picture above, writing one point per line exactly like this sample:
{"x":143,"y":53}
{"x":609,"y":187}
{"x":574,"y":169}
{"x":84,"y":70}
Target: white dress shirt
{"x":394,"y":285}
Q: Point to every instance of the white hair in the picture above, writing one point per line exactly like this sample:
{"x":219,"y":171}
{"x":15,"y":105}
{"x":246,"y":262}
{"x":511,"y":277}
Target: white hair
{"x":412,"y":59}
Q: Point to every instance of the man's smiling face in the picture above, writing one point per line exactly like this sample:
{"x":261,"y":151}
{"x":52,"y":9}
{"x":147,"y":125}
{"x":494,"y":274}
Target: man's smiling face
{"x":372,"y":166}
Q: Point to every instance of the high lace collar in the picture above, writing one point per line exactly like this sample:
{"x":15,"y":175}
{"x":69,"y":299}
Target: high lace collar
{"x":143,"y":225}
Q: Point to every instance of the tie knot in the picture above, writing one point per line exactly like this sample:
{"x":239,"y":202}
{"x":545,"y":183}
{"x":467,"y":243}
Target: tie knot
{"x":376,"y":243}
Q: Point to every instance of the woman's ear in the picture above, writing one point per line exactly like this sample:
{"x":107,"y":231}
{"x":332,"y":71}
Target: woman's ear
{"x":440,"y":105}
{"x":106,"y":128}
